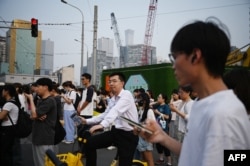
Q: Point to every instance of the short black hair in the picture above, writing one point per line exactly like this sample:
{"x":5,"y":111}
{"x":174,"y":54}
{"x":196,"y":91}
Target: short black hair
{"x":209,"y":38}
{"x":87,"y":75}
{"x":187,"y":89}
{"x":136,"y":90}
{"x":164,"y":96}
{"x":33,"y":84}
{"x":174,"y":91}
{"x":68,"y":84}
{"x":45,"y":81}
{"x":120,"y":75}
{"x":142,"y":90}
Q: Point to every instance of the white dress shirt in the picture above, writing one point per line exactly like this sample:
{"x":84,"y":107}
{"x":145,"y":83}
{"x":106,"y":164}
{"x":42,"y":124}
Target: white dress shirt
{"x":121,"y":105}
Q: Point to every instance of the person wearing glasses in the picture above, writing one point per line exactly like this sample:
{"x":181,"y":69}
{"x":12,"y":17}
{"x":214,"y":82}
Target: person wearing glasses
{"x":121,"y":135}
{"x":218,"y":120}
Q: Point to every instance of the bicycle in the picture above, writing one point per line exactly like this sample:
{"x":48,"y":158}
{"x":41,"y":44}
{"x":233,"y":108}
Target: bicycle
{"x":83,"y":140}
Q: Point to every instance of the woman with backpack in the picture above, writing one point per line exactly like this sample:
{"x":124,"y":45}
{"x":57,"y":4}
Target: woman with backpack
{"x":7,"y":129}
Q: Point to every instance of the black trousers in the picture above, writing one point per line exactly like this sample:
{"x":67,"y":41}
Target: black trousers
{"x":7,"y":140}
{"x":80,"y":132}
{"x":125,"y":141}
{"x":161,"y":149}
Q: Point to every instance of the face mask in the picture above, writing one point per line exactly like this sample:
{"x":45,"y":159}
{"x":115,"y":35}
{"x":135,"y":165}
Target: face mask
{"x":140,"y":103}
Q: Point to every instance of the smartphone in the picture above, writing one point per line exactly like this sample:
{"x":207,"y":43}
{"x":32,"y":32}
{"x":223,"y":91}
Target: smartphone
{"x":134,"y":124}
{"x":77,"y":120}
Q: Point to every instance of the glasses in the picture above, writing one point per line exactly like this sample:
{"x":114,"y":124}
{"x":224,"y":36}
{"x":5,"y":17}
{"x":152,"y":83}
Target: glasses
{"x":113,"y":81}
{"x":173,"y":56}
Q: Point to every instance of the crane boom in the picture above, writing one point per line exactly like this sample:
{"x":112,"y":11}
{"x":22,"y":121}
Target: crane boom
{"x":238,"y":56}
{"x":117,"y":38}
{"x":149,"y":31}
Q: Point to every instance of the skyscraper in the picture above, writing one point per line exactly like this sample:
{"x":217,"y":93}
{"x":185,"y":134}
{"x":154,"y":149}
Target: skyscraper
{"x":129,"y":37}
{"x":134,"y":55}
{"x":23,"y":51}
{"x":106,"y":44}
{"x":47,"y":57}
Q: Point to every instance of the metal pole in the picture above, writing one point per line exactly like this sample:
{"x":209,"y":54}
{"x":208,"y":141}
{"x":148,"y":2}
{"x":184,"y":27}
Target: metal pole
{"x":94,"y":65}
{"x":82,"y":38}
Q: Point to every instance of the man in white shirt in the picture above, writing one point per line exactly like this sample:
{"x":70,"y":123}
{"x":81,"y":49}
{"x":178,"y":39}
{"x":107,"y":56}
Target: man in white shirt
{"x":121,"y":135}
{"x":218,"y":120}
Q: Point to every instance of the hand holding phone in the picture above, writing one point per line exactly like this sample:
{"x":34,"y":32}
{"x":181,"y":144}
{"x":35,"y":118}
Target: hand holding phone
{"x":77,"y":120}
{"x":134,"y":124}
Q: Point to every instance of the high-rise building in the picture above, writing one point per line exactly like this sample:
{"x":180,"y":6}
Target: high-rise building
{"x":103,"y":62}
{"x":129,"y":37}
{"x":106,"y":44}
{"x":23,"y":51}
{"x":2,"y":49}
{"x":134,"y":55}
{"x":3,"y":59}
{"x":47,"y":57}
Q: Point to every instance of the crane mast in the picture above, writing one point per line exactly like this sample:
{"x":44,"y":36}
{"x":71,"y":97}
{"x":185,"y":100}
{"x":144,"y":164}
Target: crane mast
{"x":117,"y":39}
{"x":149,"y":32}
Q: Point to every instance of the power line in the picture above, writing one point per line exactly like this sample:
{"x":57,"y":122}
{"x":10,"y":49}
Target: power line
{"x":133,"y":17}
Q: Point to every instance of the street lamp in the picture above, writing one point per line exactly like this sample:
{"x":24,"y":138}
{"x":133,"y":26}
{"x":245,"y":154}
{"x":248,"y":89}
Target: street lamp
{"x":82,"y":42}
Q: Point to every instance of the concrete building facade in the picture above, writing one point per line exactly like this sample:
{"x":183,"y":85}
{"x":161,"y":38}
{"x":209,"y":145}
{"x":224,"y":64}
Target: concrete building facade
{"x":24,"y":78}
{"x":133,"y":55}
{"x":3,"y":49}
{"x":106,"y":44}
{"x":47,"y":57}
{"x":65,"y":74}
{"x":129,"y":37}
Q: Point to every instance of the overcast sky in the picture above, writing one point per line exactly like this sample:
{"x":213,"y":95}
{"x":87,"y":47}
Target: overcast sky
{"x":130,"y":14}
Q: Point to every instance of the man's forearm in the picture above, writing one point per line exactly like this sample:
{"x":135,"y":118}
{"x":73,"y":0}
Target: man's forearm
{"x":172,"y":144}
{"x":33,"y":110}
{"x":84,"y":105}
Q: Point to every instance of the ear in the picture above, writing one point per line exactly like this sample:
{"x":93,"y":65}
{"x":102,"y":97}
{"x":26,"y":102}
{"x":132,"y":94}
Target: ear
{"x":194,"y":57}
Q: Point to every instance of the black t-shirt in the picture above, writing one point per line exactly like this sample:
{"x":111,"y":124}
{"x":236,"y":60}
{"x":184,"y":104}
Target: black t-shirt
{"x":43,"y":132}
{"x":103,"y":106}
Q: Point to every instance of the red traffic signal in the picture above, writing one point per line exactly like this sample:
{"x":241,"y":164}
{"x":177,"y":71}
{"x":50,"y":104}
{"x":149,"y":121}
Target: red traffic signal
{"x":34,"y":27}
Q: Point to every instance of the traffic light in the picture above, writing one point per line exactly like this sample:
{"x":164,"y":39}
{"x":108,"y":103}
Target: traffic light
{"x":34,"y":27}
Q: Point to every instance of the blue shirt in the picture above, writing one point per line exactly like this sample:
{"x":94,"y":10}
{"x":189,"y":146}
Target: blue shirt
{"x":164,"y":109}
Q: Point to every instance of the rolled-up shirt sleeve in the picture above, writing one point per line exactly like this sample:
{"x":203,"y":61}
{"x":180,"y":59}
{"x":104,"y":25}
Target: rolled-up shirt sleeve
{"x":96,"y":119}
{"x":124,"y":105}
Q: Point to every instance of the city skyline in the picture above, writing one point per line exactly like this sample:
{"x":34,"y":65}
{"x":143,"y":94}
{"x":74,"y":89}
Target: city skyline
{"x":170,"y":16}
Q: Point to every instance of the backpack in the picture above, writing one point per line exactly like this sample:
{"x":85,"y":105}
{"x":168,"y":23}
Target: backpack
{"x":60,"y":132}
{"x":23,"y":127}
{"x":77,"y":100}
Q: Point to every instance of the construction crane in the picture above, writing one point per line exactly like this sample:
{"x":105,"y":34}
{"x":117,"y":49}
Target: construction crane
{"x":149,"y":32}
{"x":117,"y":39}
{"x":237,"y":57}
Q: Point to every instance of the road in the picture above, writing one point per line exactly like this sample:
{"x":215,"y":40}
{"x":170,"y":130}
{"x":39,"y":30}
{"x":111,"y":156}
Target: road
{"x":104,"y":156}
